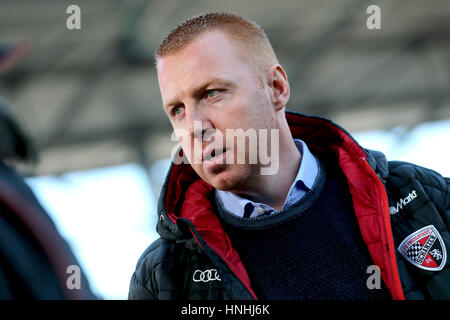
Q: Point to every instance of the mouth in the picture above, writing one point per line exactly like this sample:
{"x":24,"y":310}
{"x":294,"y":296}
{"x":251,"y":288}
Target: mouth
{"x":214,"y":158}
{"x":213,"y":154}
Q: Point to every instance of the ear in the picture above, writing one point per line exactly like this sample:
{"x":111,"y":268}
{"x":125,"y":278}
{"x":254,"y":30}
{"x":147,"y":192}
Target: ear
{"x":279,"y":84}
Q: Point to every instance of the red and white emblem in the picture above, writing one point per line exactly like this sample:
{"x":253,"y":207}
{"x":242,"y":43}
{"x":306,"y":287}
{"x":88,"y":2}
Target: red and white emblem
{"x":424,"y":249}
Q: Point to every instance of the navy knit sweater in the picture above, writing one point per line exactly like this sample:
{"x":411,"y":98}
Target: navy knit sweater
{"x":310,"y":251}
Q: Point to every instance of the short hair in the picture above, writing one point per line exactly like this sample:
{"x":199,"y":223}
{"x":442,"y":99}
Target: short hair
{"x":248,"y":37}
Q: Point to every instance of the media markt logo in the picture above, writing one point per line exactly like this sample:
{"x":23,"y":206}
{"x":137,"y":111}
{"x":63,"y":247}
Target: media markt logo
{"x":424,"y":249}
{"x":403,"y":202}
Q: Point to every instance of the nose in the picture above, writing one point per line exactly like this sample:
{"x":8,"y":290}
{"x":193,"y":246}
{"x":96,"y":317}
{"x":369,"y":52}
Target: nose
{"x":198,"y":122}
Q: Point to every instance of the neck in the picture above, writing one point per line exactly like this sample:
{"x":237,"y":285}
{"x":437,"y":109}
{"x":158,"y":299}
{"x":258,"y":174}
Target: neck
{"x":273,"y":189}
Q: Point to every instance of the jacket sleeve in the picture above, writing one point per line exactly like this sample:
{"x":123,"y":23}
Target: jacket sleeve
{"x":435,"y":186}
{"x":142,"y":284}
{"x":447,"y":203}
{"x":138,"y":290}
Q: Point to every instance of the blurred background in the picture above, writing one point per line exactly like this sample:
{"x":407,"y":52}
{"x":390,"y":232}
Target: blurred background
{"x":89,"y":99}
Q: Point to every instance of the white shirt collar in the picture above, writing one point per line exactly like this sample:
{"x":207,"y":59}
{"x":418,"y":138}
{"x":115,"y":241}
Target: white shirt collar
{"x":303,"y":182}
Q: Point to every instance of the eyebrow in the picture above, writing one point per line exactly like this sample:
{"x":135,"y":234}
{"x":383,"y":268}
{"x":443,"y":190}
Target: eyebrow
{"x":201,"y":88}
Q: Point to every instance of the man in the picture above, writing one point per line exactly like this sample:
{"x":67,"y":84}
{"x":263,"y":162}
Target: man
{"x":311,"y":229}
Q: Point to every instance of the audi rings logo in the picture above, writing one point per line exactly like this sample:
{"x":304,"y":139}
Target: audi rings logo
{"x":205,"y":276}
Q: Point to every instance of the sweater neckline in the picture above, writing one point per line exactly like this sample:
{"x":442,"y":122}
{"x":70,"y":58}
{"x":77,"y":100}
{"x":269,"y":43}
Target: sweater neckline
{"x":285,"y":215}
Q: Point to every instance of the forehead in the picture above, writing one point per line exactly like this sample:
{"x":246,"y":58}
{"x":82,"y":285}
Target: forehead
{"x":211,"y":54}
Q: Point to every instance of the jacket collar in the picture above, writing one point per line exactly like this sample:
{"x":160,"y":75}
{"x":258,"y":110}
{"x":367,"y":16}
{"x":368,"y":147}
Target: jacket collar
{"x":325,"y":139}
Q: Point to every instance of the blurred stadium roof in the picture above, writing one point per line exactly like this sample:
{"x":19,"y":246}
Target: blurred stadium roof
{"x":89,"y":97}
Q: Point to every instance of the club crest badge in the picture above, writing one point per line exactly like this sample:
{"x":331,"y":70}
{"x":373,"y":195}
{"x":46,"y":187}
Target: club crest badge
{"x":424,"y":249}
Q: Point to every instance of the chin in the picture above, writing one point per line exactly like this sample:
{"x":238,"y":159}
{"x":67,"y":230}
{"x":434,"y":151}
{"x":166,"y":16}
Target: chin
{"x":228,"y":180}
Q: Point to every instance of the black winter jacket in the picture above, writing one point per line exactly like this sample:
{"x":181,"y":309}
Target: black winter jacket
{"x":392,"y":201}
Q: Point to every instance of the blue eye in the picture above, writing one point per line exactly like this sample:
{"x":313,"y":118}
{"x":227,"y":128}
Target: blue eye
{"x":176,"y":110}
{"x":211,"y":93}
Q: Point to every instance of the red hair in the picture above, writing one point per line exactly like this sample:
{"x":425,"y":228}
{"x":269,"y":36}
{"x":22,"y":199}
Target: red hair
{"x":249,"y":38}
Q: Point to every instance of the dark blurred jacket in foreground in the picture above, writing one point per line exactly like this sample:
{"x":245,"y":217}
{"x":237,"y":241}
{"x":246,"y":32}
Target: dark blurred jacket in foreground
{"x":35,"y":261}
